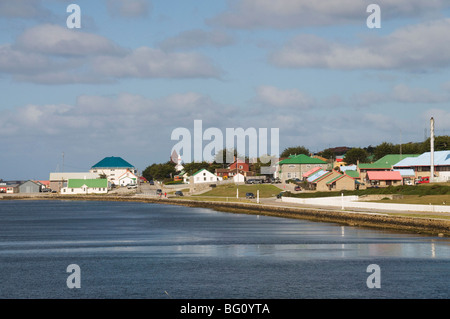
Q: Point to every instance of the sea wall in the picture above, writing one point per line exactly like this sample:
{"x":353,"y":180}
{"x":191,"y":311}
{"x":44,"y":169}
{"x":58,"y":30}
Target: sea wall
{"x":353,"y":202}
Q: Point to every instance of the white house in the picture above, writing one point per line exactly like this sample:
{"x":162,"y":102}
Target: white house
{"x":85,"y":186}
{"x":239,"y":178}
{"x":127,"y":178}
{"x":205,"y":176}
{"x":113,"y":168}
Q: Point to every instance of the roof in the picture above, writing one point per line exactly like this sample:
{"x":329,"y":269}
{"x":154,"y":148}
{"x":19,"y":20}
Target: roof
{"x":406,"y":172}
{"x":203,"y":169}
{"x":386,"y":162}
{"x":301,"y":159}
{"x":344,"y":168}
{"x":352,"y":174}
{"x":335,"y":178}
{"x":66,"y":176}
{"x":327,"y":174}
{"x":113,"y":162}
{"x":384,"y":175}
{"x":311,"y":171}
{"x":92,"y":183}
{"x":441,"y":158}
{"x":316,"y":175}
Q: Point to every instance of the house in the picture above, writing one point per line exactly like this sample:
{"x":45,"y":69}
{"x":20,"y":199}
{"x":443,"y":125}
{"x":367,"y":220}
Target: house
{"x":385,"y":163}
{"x":297,"y":165}
{"x":223,"y":172}
{"x":127,"y":178}
{"x":341,"y":182}
{"x":59,"y":180}
{"x":408,"y":176}
{"x":320,"y":183}
{"x":29,"y":187}
{"x":241,"y":165}
{"x":205,"y":176}
{"x":112,"y":168}
{"x":383,"y":178}
{"x":86,"y":186}
{"x":10,"y":187}
{"x":239,"y":178}
{"x":44,"y":184}
{"x":422,"y":165}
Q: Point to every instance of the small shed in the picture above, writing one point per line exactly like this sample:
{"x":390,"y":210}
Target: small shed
{"x":29,"y":187}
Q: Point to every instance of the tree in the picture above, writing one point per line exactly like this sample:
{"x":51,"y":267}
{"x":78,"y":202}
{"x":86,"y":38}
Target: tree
{"x":354,"y":155}
{"x":193,"y":167}
{"x":383,"y":149}
{"x":160,"y":171}
{"x":295,"y":151}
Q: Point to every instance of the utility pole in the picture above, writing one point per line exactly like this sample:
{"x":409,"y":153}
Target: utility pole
{"x":432,"y":150}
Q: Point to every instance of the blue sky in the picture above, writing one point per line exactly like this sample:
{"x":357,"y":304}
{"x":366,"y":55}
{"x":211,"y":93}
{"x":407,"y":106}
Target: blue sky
{"x":136,"y":70}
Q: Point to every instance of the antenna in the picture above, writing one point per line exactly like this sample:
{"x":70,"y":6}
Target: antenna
{"x":63,"y":162}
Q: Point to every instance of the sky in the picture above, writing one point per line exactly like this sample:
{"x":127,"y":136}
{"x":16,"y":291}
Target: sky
{"x":138,"y":70}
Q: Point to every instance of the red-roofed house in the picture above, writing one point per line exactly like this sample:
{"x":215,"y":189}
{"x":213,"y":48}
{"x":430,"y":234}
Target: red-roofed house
{"x":384,"y":178}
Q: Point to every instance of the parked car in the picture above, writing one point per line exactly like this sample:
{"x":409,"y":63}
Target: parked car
{"x":423,"y":180}
{"x":151,"y":182}
{"x":131,"y":186}
{"x":249,"y":195}
{"x":254,"y":181}
{"x":276,"y":180}
{"x":297,"y":188}
{"x":178,"y":193}
{"x":159,"y":191}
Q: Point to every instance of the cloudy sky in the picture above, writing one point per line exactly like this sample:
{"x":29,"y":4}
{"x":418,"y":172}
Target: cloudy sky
{"x":137,"y":70}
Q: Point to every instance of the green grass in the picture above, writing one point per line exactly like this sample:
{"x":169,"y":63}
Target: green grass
{"x":418,"y":190}
{"x":422,"y":200}
{"x":265,"y":191}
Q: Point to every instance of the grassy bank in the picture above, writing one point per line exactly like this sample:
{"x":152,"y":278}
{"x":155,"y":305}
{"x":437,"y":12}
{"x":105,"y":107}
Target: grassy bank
{"x":416,"y":190}
{"x":265,"y":190}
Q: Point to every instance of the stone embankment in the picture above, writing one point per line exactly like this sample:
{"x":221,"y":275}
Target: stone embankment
{"x":419,"y":225}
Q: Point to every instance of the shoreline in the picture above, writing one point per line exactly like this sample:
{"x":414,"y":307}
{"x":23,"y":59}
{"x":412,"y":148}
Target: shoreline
{"x":415,"y":225}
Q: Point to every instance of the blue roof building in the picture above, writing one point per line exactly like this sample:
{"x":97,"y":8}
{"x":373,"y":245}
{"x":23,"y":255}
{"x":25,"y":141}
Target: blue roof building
{"x":422,"y":165}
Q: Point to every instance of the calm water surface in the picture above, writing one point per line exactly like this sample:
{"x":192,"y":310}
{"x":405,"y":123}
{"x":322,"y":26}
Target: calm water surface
{"x":140,"y":250}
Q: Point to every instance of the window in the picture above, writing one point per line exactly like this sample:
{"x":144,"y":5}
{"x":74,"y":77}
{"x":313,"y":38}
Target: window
{"x":204,"y":179}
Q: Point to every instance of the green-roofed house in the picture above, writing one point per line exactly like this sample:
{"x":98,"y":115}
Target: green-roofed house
{"x":383,"y":164}
{"x":113,"y":168}
{"x":296,"y":165}
{"x":204,"y":176}
{"x":86,"y":186}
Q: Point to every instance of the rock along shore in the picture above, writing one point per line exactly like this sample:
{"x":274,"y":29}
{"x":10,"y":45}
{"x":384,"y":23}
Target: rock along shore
{"x":418,"y":225}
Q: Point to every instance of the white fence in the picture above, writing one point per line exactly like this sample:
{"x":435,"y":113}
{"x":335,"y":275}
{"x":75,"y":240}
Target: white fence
{"x":352,"y":202}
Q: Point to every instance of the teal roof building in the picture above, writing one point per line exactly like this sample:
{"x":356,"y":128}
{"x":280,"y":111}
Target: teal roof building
{"x":112,"y":162}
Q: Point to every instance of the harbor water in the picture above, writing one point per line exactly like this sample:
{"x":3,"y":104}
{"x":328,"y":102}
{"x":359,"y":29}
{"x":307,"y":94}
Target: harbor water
{"x":142,"y":250}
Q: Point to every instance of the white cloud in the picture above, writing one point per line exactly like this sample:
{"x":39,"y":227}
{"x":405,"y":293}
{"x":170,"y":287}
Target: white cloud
{"x":145,"y":62}
{"x":51,"y":54}
{"x":273,"y":96}
{"x":57,"y":40}
{"x":197,"y":38}
{"x":303,"y":13}
{"x":417,"y":47}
